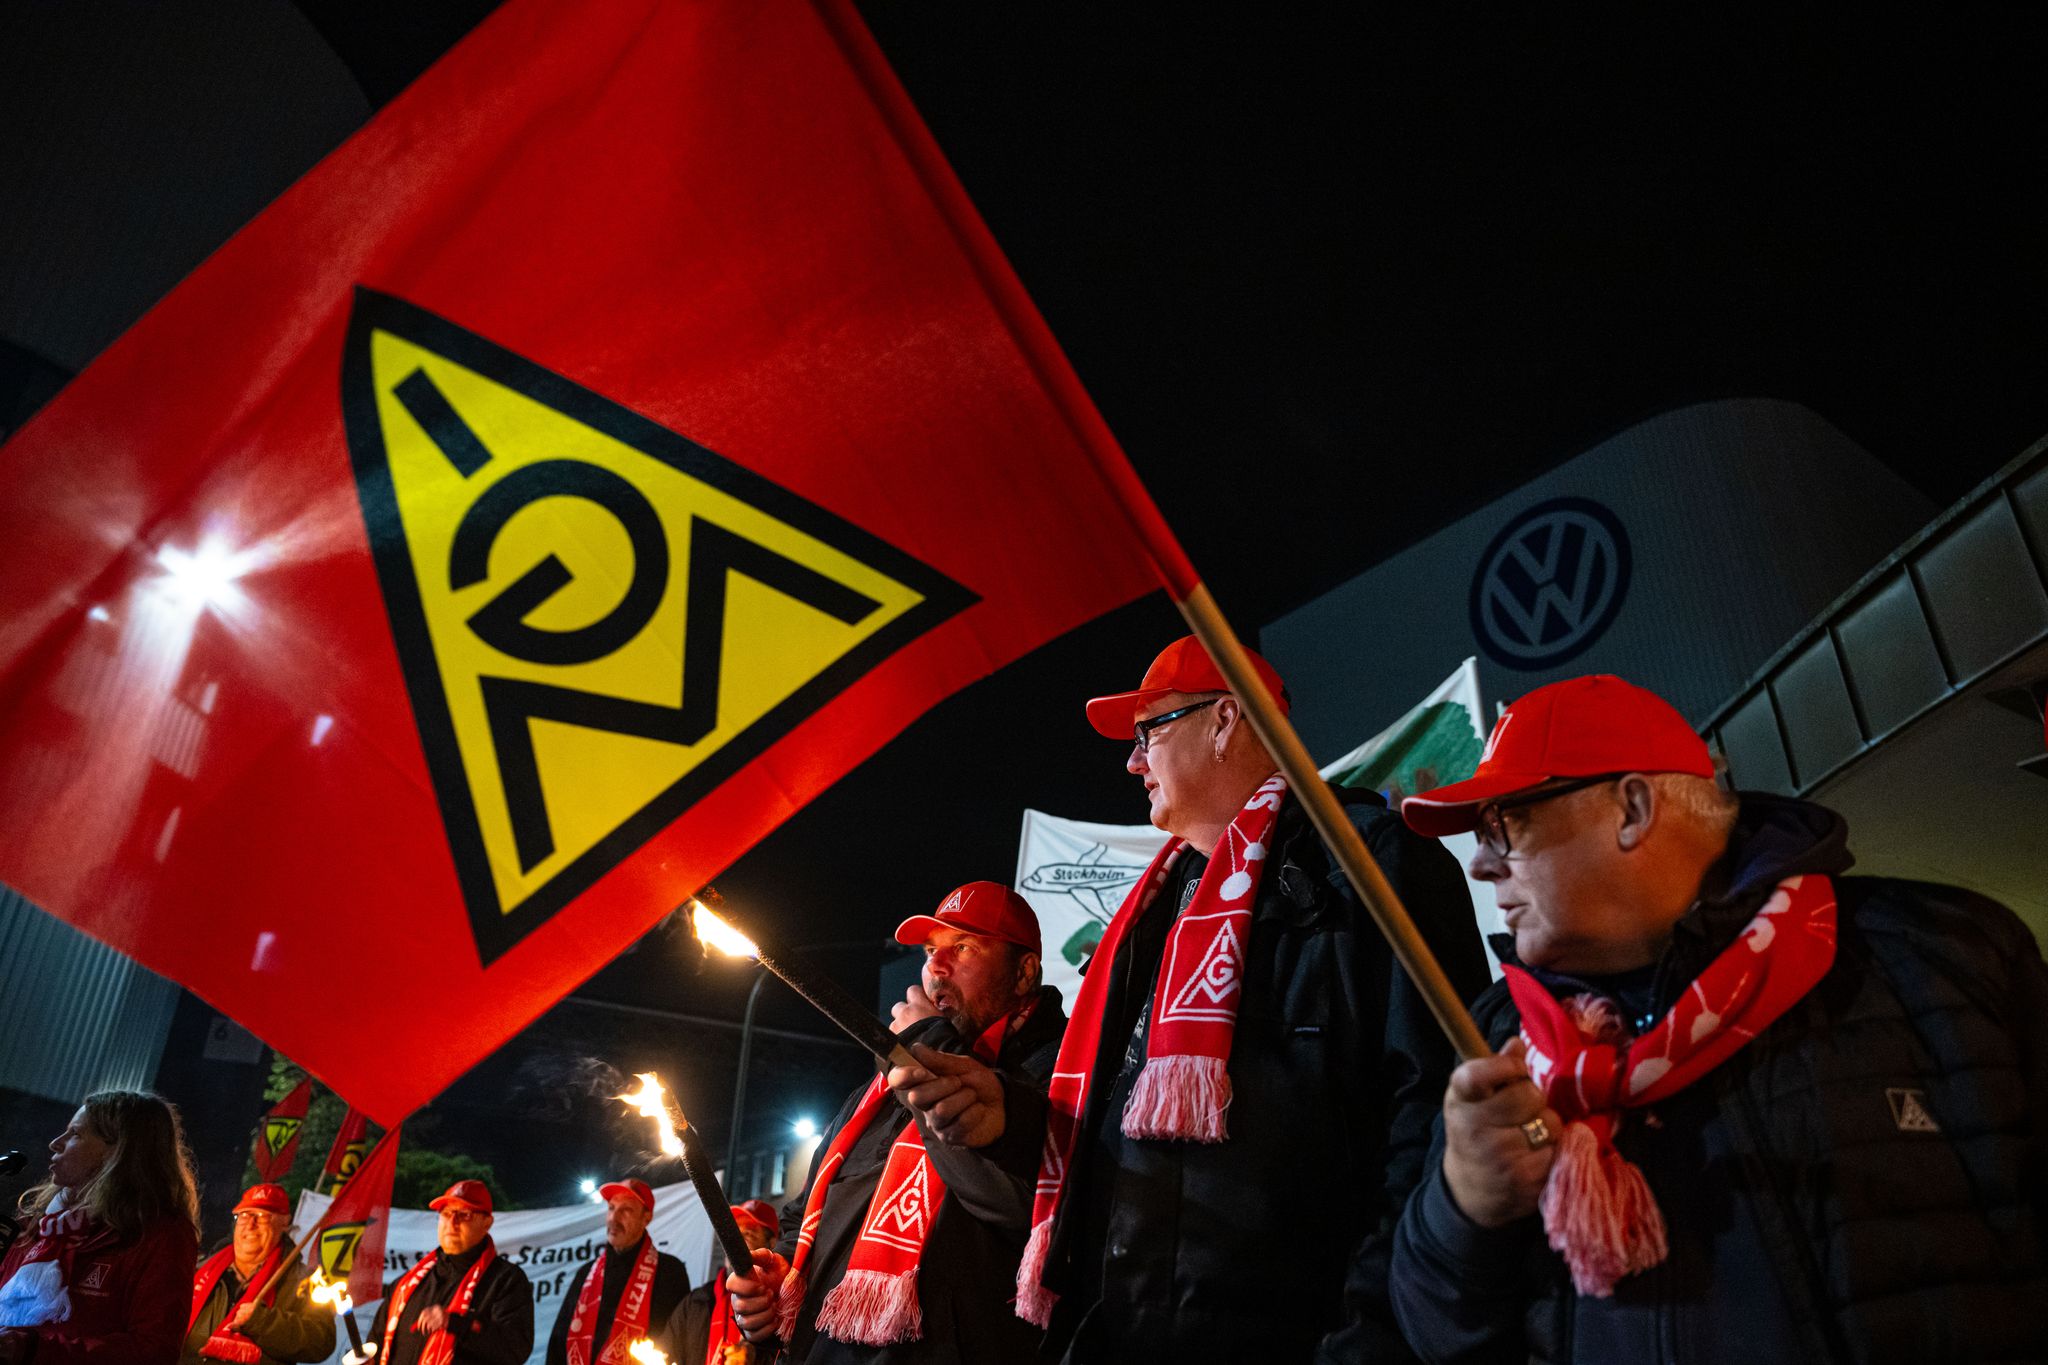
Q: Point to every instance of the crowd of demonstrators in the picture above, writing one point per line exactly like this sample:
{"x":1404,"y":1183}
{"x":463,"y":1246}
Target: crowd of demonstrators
{"x":623,"y":1295}
{"x":904,"y":1246}
{"x":1241,"y":1028}
{"x":249,"y":1300}
{"x":1746,"y":1108}
{"x":704,"y":1330}
{"x":103,"y":1266}
{"x":463,"y":1304}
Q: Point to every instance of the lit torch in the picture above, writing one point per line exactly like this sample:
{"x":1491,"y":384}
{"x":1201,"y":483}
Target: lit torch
{"x":678,"y":1138}
{"x":826,"y":995}
{"x":646,"y":1352}
{"x":333,"y":1294}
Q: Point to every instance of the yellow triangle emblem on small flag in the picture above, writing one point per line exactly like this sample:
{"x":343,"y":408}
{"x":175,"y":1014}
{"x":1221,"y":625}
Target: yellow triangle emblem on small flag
{"x":338,"y":1248}
{"x":278,"y":1132}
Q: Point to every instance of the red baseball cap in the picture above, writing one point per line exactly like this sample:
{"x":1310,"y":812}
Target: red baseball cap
{"x":987,"y":908}
{"x":1581,"y":727}
{"x":269,"y":1198}
{"x":637,"y":1190}
{"x":468,"y":1194}
{"x":759,"y":1212}
{"x":1183,"y":666}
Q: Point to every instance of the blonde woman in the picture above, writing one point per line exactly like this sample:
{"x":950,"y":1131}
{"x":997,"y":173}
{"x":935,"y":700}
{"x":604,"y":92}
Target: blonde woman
{"x":102,"y":1270}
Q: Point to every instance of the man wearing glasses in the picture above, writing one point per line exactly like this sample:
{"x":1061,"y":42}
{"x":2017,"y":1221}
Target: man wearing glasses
{"x":463,"y":1304}
{"x":1243,"y":1048}
{"x":237,"y":1313}
{"x":1745,"y":1108}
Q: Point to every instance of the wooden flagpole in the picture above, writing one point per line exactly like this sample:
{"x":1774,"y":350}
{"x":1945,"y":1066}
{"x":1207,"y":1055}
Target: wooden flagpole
{"x":1339,"y":835}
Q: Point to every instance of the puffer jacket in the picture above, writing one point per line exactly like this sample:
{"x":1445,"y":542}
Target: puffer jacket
{"x":1866,"y":1181}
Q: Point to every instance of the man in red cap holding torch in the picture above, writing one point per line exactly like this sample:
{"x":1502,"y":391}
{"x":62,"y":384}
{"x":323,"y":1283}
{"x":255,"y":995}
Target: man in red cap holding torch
{"x":904,"y":1248}
{"x":233,"y":1318}
{"x":1242,"y":1029}
{"x":704,"y":1330}
{"x":463,"y":1304}
{"x":626,"y":1293}
{"x":1745,"y":1108}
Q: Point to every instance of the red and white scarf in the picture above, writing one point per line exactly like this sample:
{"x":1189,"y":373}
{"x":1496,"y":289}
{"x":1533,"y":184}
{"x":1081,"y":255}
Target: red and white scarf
{"x":1184,"y":1089}
{"x":226,"y":1343}
{"x":725,"y":1329}
{"x":1596,"y":1205}
{"x":440,"y":1347}
{"x":629,"y":1320}
{"x":875,"y":1302}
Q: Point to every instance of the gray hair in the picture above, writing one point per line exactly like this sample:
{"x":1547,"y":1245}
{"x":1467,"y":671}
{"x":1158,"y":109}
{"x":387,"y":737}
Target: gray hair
{"x":1698,"y":800}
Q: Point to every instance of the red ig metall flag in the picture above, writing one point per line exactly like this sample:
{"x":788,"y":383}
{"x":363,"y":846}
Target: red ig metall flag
{"x":619,"y":439}
{"x":347,"y":1243}
{"x":351,"y":1143}
{"x":277,"y":1136}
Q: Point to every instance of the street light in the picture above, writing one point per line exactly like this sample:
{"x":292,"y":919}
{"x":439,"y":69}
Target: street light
{"x":804,"y":1129}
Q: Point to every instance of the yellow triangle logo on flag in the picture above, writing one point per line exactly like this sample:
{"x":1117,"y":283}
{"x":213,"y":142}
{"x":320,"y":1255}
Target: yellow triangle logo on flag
{"x":277,"y":1132}
{"x":338,"y":1248}
{"x":599,"y":619}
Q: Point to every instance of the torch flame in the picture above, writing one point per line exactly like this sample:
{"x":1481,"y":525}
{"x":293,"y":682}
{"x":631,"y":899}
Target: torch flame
{"x":332,"y":1293}
{"x":718,"y":934}
{"x":648,"y":1101}
{"x":647,"y":1353}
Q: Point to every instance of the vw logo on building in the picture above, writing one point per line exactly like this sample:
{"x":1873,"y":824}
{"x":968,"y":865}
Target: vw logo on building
{"x":1550,"y":583}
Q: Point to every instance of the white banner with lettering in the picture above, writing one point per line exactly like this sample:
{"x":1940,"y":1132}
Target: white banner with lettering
{"x":548,"y":1244}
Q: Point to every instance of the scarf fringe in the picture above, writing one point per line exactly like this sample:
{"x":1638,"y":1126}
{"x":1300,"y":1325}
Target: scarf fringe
{"x":225,"y":1345}
{"x":872,"y":1308}
{"x":1179,"y":1097}
{"x":789,"y":1300}
{"x":36,"y":1295}
{"x":1600,"y":1213}
{"x":1034,"y":1300}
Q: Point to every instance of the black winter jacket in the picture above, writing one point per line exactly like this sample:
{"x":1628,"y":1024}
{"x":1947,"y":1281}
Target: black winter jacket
{"x":1337,"y":1069}
{"x":1863,"y":1182}
{"x":967,"y":1275}
{"x":497,"y":1329}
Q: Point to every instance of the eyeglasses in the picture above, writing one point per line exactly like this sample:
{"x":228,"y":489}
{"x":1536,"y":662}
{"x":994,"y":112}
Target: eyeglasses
{"x":251,"y":1216}
{"x":1493,"y":830}
{"x":1141,"y":730}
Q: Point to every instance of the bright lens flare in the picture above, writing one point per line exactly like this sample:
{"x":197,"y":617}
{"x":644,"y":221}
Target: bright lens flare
{"x":720,"y":935}
{"x":333,"y":1294}
{"x":647,"y":1353}
{"x":647,"y":1100}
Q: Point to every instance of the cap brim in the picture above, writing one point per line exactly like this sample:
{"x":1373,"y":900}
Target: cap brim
{"x":915,"y":930}
{"x":611,"y":1192}
{"x":436,"y":1205}
{"x":258,"y":1208}
{"x":1455,"y":809}
{"x":1113,"y":716}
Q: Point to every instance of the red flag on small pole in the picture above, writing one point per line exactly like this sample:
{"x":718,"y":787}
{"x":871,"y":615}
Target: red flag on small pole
{"x":351,"y":1142}
{"x":347,"y":1242}
{"x":277,"y":1136}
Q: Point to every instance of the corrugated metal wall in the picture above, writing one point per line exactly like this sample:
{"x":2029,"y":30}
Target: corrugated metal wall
{"x":75,"y":1015}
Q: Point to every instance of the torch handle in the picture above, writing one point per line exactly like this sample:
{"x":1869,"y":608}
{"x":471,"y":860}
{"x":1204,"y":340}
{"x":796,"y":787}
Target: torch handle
{"x":697,"y":1161}
{"x":355,"y":1334}
{"x":833,"y":1001}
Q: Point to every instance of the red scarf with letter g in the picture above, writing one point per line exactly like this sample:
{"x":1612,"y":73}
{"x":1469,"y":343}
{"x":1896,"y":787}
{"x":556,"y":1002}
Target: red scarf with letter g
{"x":225,"y":1343}
{"x":440,"y":1347}
{"x":1596,"y":1206}
{"x":629,"y":1321}
{"x":1184,"y":1089}
{"x":875,"y":1302}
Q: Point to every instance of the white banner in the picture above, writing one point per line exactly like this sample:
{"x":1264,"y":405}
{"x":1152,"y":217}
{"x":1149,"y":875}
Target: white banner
{"x":1075,"y":874}
{"x":548,"y":1244}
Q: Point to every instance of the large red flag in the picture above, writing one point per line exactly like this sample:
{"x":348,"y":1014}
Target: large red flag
{"x":623,"y":436}
{"x":277,"y":1136}
{"x":348,"y":1240}
{"x":351,"y":1141}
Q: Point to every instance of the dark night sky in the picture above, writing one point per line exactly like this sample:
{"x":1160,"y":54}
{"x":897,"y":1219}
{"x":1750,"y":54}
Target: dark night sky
{"x":1338,"y":275}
